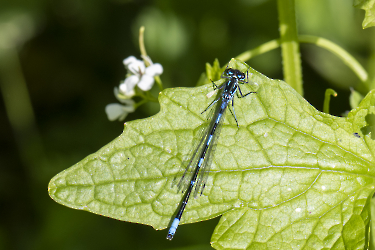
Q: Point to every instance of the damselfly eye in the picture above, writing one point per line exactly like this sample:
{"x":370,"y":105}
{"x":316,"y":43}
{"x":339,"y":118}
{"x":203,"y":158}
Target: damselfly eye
{"x":241,"y":76}
{"x":237,"y":74}
{"x":230,"y":71}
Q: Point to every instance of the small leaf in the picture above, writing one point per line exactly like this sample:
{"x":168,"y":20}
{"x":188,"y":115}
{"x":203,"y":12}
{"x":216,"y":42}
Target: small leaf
{"x":369,"y":7}
{"x":288,"y":177}
{"x":213,"y":73}
{"x":355,"y":98}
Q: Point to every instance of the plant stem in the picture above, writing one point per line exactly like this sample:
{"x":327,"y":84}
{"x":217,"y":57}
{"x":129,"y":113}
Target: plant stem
{"x":348,"y":59}
{"x":261,"y":49}
{"x":142,"y":47}
{"x":289,"y":44}
{"x":342,"y":54}
{"x":327,"y":99}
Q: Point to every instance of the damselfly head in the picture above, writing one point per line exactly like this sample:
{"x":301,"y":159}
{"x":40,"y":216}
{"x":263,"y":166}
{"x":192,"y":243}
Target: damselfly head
{"x":230,"y":72}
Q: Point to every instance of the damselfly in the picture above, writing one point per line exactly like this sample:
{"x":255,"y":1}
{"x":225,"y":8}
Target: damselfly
{"x":199,"y":164}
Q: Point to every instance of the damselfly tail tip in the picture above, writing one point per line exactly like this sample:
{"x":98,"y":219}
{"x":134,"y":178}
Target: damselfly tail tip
{"x":173,"y":228}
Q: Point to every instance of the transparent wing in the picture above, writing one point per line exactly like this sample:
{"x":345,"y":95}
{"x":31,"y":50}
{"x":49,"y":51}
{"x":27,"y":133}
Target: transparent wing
{"x":191,"y":161}
{"x":206,"y":166}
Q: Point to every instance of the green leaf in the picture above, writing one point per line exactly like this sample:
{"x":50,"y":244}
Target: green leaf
{"x":213,"y":73}
{"x":288,"y":177}
{"x":355,"y":98}
{"x":369,"y":7}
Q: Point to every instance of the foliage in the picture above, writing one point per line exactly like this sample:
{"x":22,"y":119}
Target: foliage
{"x":289,"y":176}
{"x":59,"y":62}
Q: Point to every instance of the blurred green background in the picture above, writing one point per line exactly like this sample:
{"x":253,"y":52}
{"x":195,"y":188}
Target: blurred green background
{"x":59,"y":63}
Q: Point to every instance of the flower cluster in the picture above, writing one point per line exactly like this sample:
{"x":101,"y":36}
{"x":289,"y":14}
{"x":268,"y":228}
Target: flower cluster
{"x":138,"y":76}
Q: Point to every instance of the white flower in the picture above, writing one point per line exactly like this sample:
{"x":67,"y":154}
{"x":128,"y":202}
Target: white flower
{"x":119,"y":112}
{"x":140,"y":75}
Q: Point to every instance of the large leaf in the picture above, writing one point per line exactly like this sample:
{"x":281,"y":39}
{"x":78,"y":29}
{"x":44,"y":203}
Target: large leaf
{"x":290,"y":177}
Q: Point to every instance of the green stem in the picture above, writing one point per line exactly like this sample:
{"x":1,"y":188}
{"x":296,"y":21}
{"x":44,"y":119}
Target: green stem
{"x":159,"y":83}
{"x":265,"y":47}
{"x":348,"y":59}
{"x":146,"y":96}
{"x":327,"y":99}
{"x":342,"y":54}
{"x":151,"y":98}
{"x":142,"y":48}
{"x":136,"y":105}
{"x":289,"y":44}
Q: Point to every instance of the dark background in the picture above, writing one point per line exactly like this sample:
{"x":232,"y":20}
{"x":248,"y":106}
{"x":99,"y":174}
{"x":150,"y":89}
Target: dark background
{"x":59,"y":63}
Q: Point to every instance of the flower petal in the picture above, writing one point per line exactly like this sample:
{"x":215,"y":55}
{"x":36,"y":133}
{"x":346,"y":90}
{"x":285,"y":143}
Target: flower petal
{"x":114,"y":111}
{"x":129,"y":104}
{"x":147,"y":59}
{"x":137,"y":67}
{"x":146,"y":82}
{"x":127,"y":87}
{"x":154,"y":70}
{"x":117,"y":111}
{"x":129,"y":60}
